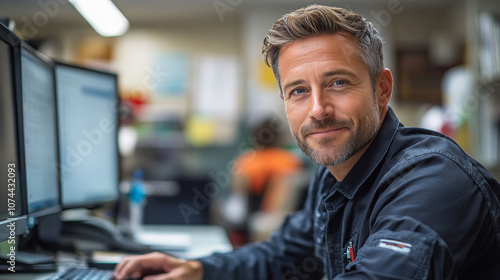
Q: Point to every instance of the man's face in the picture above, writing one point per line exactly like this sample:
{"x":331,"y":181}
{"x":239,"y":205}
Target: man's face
{"x":329,"y":99}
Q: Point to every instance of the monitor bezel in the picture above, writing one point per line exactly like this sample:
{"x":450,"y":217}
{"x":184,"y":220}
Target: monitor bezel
{"x":114,"y":75}
{"x":21,"y":218}
{"x":56,"y":208}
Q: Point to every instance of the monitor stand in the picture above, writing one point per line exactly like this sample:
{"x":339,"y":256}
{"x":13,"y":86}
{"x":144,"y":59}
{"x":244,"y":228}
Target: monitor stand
{"x":89,"y":233}
{"x":27,"y":257}
{"x":30,"y":262}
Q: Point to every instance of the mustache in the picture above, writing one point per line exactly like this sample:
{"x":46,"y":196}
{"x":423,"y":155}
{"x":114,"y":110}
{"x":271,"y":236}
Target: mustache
{"x":324,"y":124}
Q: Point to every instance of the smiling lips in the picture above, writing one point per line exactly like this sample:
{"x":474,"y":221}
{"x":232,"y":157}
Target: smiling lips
{"x":324,"y":132}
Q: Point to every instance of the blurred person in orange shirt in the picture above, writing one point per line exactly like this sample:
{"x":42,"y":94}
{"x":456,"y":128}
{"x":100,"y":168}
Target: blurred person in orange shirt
{"x":261,"y":179}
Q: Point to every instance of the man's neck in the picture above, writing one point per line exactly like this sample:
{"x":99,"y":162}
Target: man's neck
{"x":341,"y":170}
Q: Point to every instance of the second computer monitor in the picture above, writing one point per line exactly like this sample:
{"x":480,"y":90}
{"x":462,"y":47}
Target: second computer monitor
{"x":87,"y":102}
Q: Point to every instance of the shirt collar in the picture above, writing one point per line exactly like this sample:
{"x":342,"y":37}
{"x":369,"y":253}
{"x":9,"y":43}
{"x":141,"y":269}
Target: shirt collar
{"x":372,"y":156}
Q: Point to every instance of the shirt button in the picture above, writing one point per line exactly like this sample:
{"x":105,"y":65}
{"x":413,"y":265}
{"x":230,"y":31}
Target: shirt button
{"x":317,"y":214}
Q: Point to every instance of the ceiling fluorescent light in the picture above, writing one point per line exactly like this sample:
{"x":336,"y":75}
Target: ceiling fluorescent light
{"x":103,"y":16}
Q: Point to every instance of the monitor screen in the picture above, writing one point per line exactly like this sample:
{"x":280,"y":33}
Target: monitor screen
{"x":39,"y":133}
{"x":87,"y":103}
{"x":11,"y":205}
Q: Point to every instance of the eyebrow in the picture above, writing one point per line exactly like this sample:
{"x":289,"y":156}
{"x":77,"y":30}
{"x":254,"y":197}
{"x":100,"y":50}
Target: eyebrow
{"x":325,"y":75}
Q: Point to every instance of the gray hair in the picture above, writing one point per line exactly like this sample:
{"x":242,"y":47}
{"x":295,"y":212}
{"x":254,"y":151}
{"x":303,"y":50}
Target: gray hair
{"x":319,"y":19}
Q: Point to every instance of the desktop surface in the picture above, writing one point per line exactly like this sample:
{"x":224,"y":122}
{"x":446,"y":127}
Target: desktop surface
{"x":203,"y":240}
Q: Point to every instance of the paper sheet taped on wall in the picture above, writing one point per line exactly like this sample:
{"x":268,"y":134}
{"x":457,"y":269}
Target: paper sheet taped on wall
{"x":169,"y":74}
{"x":217,"y":89}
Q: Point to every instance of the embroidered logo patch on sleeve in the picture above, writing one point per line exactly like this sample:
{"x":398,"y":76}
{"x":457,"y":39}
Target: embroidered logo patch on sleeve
{"x":394,"y":245}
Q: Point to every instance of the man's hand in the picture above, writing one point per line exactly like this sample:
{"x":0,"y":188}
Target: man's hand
{"x":159,"y":266}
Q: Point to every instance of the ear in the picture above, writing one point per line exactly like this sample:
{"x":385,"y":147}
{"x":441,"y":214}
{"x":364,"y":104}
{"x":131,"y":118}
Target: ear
{"x":384,"y":87}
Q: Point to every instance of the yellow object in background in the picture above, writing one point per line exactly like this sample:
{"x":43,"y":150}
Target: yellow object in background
{"x":265,"y":75}
{"x":200,"y":131}
{"x":462,"y":137}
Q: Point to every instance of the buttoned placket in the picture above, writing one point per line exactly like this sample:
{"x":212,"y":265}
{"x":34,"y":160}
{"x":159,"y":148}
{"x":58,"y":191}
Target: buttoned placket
{"x":328,"y":239}
{"x":335,"y":205}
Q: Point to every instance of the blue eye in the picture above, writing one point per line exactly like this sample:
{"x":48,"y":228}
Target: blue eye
{"x":298,"y":91}
{"x":339,"y":83}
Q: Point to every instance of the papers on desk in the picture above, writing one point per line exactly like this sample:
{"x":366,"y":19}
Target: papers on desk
{"x":105,"y":260}
{"x":166,"y":242}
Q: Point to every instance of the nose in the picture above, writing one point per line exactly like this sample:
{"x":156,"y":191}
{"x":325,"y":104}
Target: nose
{"x":322,"y":106}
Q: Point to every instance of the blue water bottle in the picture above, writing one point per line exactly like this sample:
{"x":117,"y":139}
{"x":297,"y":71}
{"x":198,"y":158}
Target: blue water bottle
{"x":137,"y":198}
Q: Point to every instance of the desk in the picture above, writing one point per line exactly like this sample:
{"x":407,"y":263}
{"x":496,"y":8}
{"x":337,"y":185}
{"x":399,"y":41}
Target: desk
{"x":204,"y":240}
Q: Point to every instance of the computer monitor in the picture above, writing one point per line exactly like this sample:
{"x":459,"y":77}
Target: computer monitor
{"x":11,"y":196}
{"x":38,"y":122}
{"x":87,"y":102}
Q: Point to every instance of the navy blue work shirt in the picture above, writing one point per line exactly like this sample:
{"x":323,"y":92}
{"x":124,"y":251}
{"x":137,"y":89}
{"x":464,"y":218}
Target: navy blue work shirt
{"x":415,"y":206}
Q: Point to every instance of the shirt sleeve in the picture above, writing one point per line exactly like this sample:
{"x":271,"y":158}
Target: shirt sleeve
{"x":289,"y":254}
{"x":430,"y":221}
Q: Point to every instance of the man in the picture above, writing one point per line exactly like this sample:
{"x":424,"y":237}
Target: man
{"x":388,"y":202}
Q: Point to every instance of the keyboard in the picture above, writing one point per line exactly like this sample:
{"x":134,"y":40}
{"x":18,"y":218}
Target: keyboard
{"x":82,"y":273}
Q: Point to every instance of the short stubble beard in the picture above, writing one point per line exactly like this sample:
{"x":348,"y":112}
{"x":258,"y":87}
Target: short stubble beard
{"x":334,"y":155}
